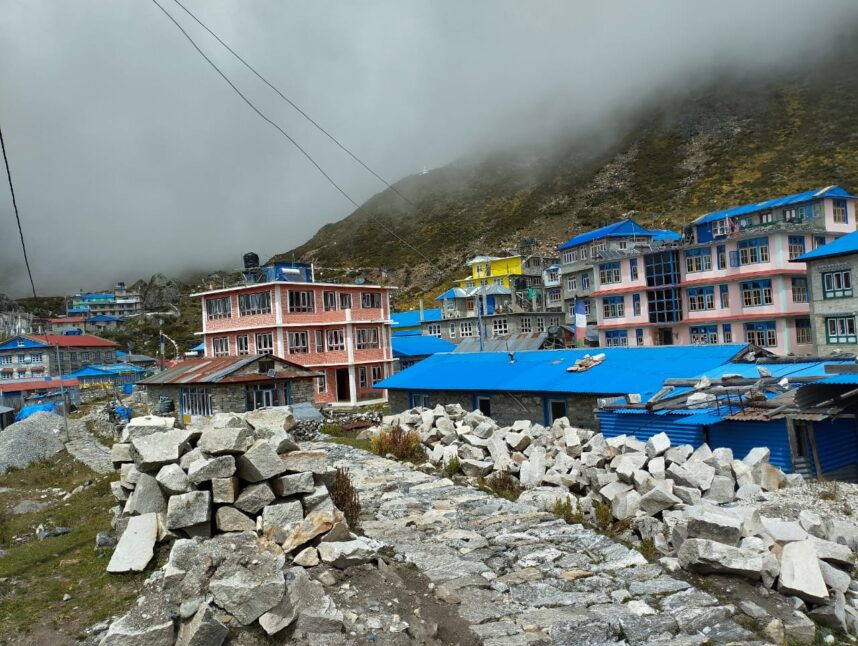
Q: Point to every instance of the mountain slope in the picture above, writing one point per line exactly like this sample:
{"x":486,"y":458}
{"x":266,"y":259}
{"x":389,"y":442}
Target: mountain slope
{"x":727,"y":146}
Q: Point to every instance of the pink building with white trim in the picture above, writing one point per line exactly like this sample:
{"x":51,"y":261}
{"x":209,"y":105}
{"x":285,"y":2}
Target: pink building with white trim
{"x":728,"y":280}
{"x":342,"y":331}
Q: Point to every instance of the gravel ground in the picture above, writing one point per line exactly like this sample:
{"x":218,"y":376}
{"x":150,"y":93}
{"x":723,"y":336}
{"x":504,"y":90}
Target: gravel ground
{"x":29,"y":441}
{"x":828,"y":499}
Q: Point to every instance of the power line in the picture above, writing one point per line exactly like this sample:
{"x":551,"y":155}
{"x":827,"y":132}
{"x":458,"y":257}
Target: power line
{"x":17,"y":215}
{"x":284,"y":133}
{"x":293,"y":104}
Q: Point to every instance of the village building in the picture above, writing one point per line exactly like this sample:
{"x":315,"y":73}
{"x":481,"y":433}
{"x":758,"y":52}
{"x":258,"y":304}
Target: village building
{"x":729,"y":279}
{"x":539,"y":385}
{"x":34,"y":357}
{"x":17,"y":394}
{"x":413,"y":348}
{"x":119,"y":303}
{"x":340,"y":331}
{"x":410,"y":323}
{"x":833,"y":302}
{"x":203,"y":387}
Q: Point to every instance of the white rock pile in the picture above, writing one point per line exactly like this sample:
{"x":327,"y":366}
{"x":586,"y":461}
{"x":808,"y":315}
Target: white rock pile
{"x":246,"y":511}
{"x":682,"y":499}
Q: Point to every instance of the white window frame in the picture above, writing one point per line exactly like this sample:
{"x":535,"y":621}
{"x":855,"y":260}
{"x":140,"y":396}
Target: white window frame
{"x":220,"y":346}
{"x":299,"y":342}
{"x":376,"y":374}
{"x":301,"y":301}
{"x":242,"y":344}
{"x":336,"y":340}
{"x":366,"y":338}
{"x":218,"y":308}
{"x":500,"y":326}
{"x":254,"y":303}
{"x":466,"y":329}
{"x":267,"y":345}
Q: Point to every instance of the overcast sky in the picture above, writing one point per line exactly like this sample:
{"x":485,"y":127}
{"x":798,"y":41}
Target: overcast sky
{"x":131,"y":156}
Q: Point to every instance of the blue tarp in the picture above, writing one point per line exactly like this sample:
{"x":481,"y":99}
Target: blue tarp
{"x":32,"y":409}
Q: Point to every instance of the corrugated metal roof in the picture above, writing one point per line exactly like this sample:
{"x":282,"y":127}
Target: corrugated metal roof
{"x":625,"y":370}
{"x":664,"y":235}
{"x":849,"y":378}
{"x":750,"y":371}
{"x":215,"y":370}
{"x":42,"y":384}
{"x":509,"y":343}
{"x":795,"y":198}
{"x":412,"y":318}
{"x":617,"y":229}
{"x":842,"y":246}
{"x":418,"y":346}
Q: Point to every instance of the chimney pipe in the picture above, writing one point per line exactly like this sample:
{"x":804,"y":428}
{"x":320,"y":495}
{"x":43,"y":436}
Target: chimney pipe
{"x":421,"y":310}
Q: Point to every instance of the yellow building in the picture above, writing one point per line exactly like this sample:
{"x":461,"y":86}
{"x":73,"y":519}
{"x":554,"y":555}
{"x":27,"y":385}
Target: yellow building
{"x":489,"y":270}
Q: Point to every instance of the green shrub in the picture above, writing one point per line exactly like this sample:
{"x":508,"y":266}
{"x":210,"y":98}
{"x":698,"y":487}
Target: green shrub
{"x":452,"y":467}
{"x":332,"y":429}
{"x":603,"y":514}
{"x":501,"y":483}
{"x":647,"y":550}
{"x":563,"y":509}
{"x":401,"y":444}
{"x":345,"y":497}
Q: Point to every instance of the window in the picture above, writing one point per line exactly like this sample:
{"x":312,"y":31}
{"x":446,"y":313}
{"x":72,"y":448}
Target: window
{"x":484,"y":405}
{"x":799,"y":290}
{"x":818,"y":241}
{"x":664,"y":305}
{"x":762,"y":334}
{"x":662,"y":268}
{"x":362,"y":377}
{"x":840,"y":329}
{"x":802,"y":331}
{"x":540,"y":324}
{"x":376,"y":374}
{"x":218,"y":308}
{"x":840,"y":211}
{"x":72,"y":356}
{"x":6,"y":374}
{"x":220,"y":346}
{"x":197,"y":400}
{"x":242,"y":344}
{"x":525,"y":324}
{"x":367,"y":337}
{"x":265,"y":343}
{"x":704,"y":334}
{"x":727,"y":332}
{"x":345,"y":301}
{"x":766,"y":218}
{"x":636,"y":304}
{"x":585,"y":282}
{"x":724,"y":291}
{"x":837,"y":284}
{"x":499,"y":326}
{"x":497,"y":281}
{"x":756,"y":293}
{"x":434,"y":329}
{"x":301,"y":301}
{"x":6,"y":359}
{"x":466,"y":328}
{"x":568,"y":257}
{"x":616,"y":338}
{"x":721,"y":253}
{"x":553,"y":321}
{"x":257,"y":303}
{"x":370,"y":300}
{"x":572,"y":283}
{"x":36,"y":357}
{"x":336,"y":340}
{"x":639,"y":336}
{"x":753,"y":251}
{"x":790,"y":215}
{"x":796,"y":246}
{"x":633,"y":268}
{"x":609,"y":273}
{"x":320,"y":343}
{"x":623,"y":245}
{"x":420,"y":400}
{"x":586,"y":302}
{"x":720,"y":228}
{"x":321,"y":384}
{"x":299,"y":342}
{"x":613,"y":307}
{"x":329,"y":300}
{"x":698,"y":260}
{"x":84,"y":356}
{"x":701,"y":298}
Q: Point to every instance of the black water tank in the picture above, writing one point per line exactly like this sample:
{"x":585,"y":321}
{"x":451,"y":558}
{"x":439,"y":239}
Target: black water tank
{"x":251,"y":260}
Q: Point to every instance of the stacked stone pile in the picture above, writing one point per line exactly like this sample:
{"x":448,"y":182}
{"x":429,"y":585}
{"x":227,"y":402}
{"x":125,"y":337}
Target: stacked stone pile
{"x":682,"y":499}
{"x":246,"y":511}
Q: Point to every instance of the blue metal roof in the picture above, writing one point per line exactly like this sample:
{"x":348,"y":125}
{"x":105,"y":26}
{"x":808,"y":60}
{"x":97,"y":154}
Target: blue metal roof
{"x":412,"y":318}
{"x":664,"y":235}
{"x":617,"y":229}
{"x":105,"y":318}
{"x":625,"y":370}
{"x":418,"y":346}
{"x":841,"y":246}
{"x":105,"y":370}
{"x":749,"y":370}
{"x":796,"y":198}
{"x":846,"y":379}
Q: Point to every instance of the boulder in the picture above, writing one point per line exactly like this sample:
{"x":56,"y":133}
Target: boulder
{"x":317,"y":500}
{"x":146,"y":497}
{"x":305,"y":604}
{"x":838,"y":531}
{"x":279,"y":519}
{"x":800,"y":573}
{"x":757,"y":456}
{"x":468,"y":452}
{"x":141,"y":629}
{"x":254,"y":498}
{"x":743,"y":474}
{"x":625,"y":505}
{"x":834,"y":578}
{"x":771,"y":478}
{"x":277,"y":417}
{"x":308,"y":557}
{"x":121,"y":452}
{"x":783,"y":531}
{"x":136,"y":545}
{"x":484,"y":429}
{"x":476,"y":468}
{"x":230,"y":519}
{"x":748,"y":491}
{"x":656,"y":468}
{"x":721,"y":490}
{"x":832,"y":552}
{"x":301,"y":461}
{"x":210,"y":468}
{"x":657,"y":445}
{"x":678,"y":454}
{"x":692,"y":473}
{"x":533,"y":470}
{"x":713,"y":524}
{"x":516,"y":441}
{"x":151,"y":452}
{"x":224,"y":490}
{"x":173,"y":479}
{"x":225,"y":441}
{"x":811,"y":522}
{"x":657,"y":500}
{"x":248,"y":588}
{"x":347,"y":553}
{"x":292,"y":484}
{"x":313,"y":525}
{"x":497,"y":447}
{"x":260,"y":462}
{"x":625,"y":465}
{"x":203,"y":629}
{"x":705,"y":556}
{"x":187,"y":509}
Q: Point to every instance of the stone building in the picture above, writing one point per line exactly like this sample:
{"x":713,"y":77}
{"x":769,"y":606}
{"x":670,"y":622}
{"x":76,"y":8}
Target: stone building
{"x":833,"y":303}
{"x":203,"y":387}
{"x":34,"y":357}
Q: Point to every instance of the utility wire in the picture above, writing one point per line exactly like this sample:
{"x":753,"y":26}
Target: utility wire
{"x":283,"y":132}
{"x":17,"y":215}
{"x":293,"y":104}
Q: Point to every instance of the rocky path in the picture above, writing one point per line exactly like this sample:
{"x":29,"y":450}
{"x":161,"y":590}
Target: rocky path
{"x":83,"y":446}
{"x":521,"y":576}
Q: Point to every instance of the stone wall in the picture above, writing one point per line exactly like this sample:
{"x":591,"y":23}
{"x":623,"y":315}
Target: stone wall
{"x":822,"y":307}
{"x":228,"y":398}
